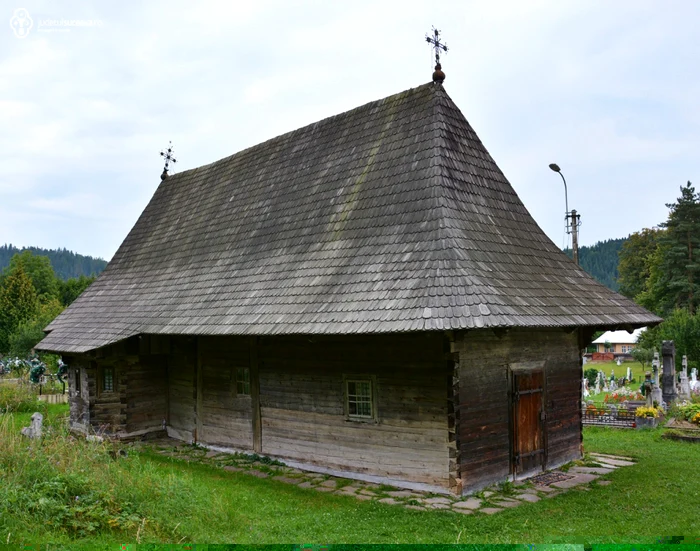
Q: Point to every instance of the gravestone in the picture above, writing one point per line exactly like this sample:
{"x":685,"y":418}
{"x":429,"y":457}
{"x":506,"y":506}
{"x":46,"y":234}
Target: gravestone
{"x":34,"y":430}
{"x":656,"y":394}
{"x":586,"y":392}
{"x":597,"y":382}
{"x":613,"y":382}
{"x":629,"y":374}
{"x":684,"y":391}
{"x":648,"y":389}
{"x":694,"y":379}
{"x":668,"y":378}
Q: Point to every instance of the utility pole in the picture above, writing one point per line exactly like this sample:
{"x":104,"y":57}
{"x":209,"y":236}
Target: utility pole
{"x":574,"y":232}
{"x":571,"y":218}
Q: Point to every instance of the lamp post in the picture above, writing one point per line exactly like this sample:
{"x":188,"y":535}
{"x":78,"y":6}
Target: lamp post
{"x":571,"y":227}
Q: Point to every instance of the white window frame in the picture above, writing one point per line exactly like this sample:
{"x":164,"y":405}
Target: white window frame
{"x":371,"y":380}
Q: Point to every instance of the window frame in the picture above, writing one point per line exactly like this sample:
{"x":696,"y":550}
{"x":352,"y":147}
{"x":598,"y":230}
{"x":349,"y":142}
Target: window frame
{"x":102,"y":371}
{"x":245,"y":381}
{"x":360,"y":378}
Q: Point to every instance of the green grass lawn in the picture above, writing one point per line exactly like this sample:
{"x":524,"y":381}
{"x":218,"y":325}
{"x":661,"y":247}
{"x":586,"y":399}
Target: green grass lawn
{"x":190,"y":502}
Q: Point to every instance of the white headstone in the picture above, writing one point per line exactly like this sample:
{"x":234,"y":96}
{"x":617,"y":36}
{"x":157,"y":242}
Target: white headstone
{"x":684,"y":390}
{"x":694,"y":379}
{"x":629,"y":374}
{"x":619,"y":361}
{"x":34,"y":430}
{"x":586,"y":392}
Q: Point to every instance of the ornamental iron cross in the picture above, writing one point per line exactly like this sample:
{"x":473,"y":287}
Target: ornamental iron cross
{"x":436,"y":44}
{"x":169,"y":157}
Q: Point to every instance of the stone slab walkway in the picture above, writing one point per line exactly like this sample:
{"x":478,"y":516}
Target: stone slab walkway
{"x":578,"y":474}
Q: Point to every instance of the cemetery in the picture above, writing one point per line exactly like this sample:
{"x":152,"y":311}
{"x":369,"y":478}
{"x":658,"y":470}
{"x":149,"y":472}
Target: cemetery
{"x":46,"y":383}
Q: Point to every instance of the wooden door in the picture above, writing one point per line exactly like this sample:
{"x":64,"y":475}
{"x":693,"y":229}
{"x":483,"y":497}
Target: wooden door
{"x":527,"y":421}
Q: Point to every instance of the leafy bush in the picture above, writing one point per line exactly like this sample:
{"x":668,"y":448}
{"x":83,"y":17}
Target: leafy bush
{"x":645,"y":411}
{"x":65,"y":485}
{"x":687,"y":410}
{"x":18,"y":398}
{"x":591,"y":374}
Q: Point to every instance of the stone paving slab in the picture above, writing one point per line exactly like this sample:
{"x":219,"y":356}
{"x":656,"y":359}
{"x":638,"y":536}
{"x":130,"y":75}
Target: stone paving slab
{"x":463,"y":511}
{"x":614,"y":462}
{"x":490,"y":510}
{"x":619,"y":457}
{"x":528,"y":497}
{"x":470,"y":503}
{"x":507,"y":503}
{"x":580,"y":478}
{"x":590,"y":470}
{"x":402,"y":493}
{"x":604,"y":482}
{"x":288,"y":480}
{"x":438,"y":501}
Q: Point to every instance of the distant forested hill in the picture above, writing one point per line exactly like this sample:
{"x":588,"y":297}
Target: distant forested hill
{"x":66,"y":264}
{"x":601,"y":260}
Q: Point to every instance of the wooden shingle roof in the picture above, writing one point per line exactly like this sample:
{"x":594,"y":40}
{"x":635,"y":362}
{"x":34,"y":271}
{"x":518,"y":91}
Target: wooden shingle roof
{"x":390,"y":217}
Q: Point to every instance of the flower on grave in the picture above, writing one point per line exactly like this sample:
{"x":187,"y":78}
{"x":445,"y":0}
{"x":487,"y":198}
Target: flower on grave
{"x":645,"y":411}
{"x":696,"y":419}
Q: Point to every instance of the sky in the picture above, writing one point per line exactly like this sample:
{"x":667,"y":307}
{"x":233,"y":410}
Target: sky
{"x":91,"y":92}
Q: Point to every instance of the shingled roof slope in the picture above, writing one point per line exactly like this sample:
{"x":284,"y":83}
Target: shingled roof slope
{"x":390,"y":217}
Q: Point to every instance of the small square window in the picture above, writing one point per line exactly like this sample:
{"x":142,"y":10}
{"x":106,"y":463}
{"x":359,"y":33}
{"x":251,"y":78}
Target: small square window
{"x":359,"y":399}
{"x":107,"y":379}
{"x":243,"y":381}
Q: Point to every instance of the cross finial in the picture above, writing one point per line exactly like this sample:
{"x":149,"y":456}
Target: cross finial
{"x":438,"y":75}
{"x":169,"y":157}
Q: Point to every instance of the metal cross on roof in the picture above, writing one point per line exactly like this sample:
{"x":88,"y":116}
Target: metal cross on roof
{"x":436,"y":44}
{"x":169,"y":157}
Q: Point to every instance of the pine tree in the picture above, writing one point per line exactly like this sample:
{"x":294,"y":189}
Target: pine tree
{"x":681,"y":243}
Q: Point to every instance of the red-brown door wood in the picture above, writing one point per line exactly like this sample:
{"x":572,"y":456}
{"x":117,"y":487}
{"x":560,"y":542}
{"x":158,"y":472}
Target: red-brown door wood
{"x":528,"y":441}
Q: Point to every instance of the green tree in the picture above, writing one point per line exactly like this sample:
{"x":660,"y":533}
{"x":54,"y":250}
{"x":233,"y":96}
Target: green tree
{"x":18,"y":303}
{"x":28,"y":333}
{"x":681,"y":259}
{"x":70,"y":290}
{"x":39,"y":270}
{"x":643,"y":355}
{"x":681,"y":327}
{"x":636,"y":260}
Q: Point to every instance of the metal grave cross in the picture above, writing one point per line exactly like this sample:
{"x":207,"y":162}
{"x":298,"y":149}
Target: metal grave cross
{"x":436,"y":44}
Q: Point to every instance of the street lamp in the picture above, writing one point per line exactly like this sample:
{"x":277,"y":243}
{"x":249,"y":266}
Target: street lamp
{"x":572,"y":227}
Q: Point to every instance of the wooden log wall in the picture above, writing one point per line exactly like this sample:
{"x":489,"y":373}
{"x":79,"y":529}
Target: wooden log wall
{"x":302,"y":399}
{"x":182,"y":389}
{"x":484,"y":422}
{"x":224,"y":417}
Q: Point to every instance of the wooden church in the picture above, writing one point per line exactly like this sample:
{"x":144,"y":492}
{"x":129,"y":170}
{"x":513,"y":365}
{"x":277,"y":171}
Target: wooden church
{"x":366,"y":296}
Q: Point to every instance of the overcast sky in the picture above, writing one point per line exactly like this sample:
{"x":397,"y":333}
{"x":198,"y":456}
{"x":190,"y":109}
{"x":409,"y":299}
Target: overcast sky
{"x":608,"y":90}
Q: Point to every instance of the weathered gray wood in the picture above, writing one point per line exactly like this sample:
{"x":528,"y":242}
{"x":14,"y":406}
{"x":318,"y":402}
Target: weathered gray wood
{"x":255,"y":395}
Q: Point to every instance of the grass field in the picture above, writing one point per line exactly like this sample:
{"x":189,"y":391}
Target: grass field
{"x":190,"y":502}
